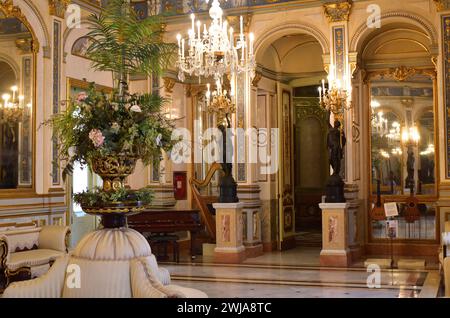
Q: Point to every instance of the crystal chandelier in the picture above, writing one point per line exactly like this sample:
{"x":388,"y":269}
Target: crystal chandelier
{"x":336,"y":98}
{"x":215,"y":52}
{"x":12,"y":109}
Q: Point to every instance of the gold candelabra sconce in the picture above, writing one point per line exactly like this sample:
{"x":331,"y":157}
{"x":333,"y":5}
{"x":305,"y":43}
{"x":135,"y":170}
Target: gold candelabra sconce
{"x":220,"y":102}
{"x":335,"y":99}
{"x":13,"y":109}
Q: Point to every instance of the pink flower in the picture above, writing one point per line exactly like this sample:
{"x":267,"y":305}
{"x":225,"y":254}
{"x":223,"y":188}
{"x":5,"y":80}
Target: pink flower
{"x":82,"y":96}
{"x":97,"y":137}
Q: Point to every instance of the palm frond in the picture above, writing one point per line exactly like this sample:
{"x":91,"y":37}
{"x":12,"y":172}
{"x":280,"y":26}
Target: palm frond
{"x":123,"y":44}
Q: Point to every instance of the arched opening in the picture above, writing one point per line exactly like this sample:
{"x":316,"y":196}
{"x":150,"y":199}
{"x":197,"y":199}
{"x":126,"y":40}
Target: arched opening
{"x":292,"y":68}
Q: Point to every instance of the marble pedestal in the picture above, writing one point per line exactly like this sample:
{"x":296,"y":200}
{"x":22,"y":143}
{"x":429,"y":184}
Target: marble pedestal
{"x":335,"y":250}
{"x":229,"y":228}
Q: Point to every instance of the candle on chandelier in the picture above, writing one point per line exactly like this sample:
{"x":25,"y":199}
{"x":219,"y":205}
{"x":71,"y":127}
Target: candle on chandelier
{"x":6,"y":97}
{"x":323,"y":86}
{"x":231,"y":37}
{"x":242,"y":26}
{"x":179,"y":43}
{"x":198,"y":29}
{"x":21,"y":98}
{"x":320,"y":94}
{"x":14,"y":90}
{"x":182,"y":48}
{"x":252,"y":38}
{"x":193,"y":21}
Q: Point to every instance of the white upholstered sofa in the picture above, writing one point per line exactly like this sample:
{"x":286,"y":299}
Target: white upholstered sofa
{"x":444,"y":258}
{"x":27,"y":251}
{"x":109,"y":263}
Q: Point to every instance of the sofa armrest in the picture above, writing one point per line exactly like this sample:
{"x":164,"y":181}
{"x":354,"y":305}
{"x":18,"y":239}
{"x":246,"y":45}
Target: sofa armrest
{"x":446,"y":266}
{"x":54,"y":237}
{"x":49,"y":285}
{"x":4,"y":251}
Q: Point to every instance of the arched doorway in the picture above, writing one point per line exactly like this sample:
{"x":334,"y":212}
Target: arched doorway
{"x":291,"y":67}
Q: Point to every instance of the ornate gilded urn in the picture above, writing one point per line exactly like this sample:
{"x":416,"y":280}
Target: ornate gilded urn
{"x":113,"y":170}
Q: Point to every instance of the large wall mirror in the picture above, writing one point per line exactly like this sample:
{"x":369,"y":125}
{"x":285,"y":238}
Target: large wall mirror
{"x":17,"y":59}
{"x":403,"y":134}
{"x":402,"y":146}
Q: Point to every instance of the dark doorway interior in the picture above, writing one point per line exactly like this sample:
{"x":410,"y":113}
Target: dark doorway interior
{"x":311,"y":164}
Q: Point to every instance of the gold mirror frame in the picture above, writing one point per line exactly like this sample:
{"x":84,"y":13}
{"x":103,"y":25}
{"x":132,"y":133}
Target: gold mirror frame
{"x":11,"y":11}
{"x":401,"y":74}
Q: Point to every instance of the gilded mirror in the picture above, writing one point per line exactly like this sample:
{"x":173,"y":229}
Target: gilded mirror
{"x":402,"y":148}
{"x":402,"y":135}
{"x":17,"y":58}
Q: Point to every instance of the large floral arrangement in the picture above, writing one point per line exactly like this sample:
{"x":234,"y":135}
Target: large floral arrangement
{"x":98,"y":125}
{"x":115,"y":130}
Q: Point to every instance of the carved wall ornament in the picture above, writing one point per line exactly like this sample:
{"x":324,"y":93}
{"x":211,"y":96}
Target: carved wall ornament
{"x":256,"y":79}
{"x":58,"y":7}
{"x":11,"y":11}
{"x":193,"y":90}
{"x":400,"y":73}
{"x":24,"y":45}
{"x":442,"y":5}
{"x":337,"y":11}
{"x":169,"y":83}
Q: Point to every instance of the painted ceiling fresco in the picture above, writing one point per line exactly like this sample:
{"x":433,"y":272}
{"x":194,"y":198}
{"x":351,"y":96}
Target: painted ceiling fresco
{"x":179,"y":7}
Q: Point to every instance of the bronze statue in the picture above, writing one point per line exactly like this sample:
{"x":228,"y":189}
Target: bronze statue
{"x":335,"y":142}
{"x":409,"y":182}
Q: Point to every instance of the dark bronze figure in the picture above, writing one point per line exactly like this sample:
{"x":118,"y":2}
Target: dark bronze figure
{"x":335,"y":142}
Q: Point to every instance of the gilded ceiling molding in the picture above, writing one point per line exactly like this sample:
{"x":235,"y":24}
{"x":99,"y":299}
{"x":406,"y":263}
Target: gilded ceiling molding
{"x":12,"y":11}
{"x":401,"y":73}
{"x":337,"y":11}
{"x":169,"y":83}
{"x":442,"y":5}
{"x":58,"y":7}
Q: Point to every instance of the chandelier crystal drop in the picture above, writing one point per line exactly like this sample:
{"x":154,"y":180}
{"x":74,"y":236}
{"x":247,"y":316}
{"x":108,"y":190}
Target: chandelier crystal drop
{"x":215,"y":50}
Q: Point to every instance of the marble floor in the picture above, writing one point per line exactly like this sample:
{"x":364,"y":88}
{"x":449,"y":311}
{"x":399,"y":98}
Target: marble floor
{"x":296,"y":273}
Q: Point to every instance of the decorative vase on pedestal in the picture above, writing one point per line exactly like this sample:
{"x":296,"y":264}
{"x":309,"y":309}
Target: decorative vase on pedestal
{"x":113,"y":170}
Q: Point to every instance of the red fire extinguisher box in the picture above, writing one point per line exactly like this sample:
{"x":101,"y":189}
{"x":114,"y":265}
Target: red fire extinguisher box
{"x":180,"y":185}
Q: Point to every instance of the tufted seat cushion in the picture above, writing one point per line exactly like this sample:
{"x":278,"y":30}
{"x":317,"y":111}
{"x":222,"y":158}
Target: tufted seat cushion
{"x":113,"y":244}
{"x":32,"y":258}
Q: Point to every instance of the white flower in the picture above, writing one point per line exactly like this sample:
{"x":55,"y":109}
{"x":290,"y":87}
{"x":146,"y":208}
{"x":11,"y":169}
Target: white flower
{"x":115,"y":106}
{"x":158,"y":140}
{"x":115,"y":127}
{"x":72,"y":151}
{"x":136,"y":109}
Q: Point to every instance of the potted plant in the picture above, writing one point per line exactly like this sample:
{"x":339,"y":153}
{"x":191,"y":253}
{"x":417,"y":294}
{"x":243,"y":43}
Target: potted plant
{"x":110,"y":133}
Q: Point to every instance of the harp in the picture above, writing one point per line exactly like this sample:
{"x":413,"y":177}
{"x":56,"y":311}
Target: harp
{"x":204,"y":202}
